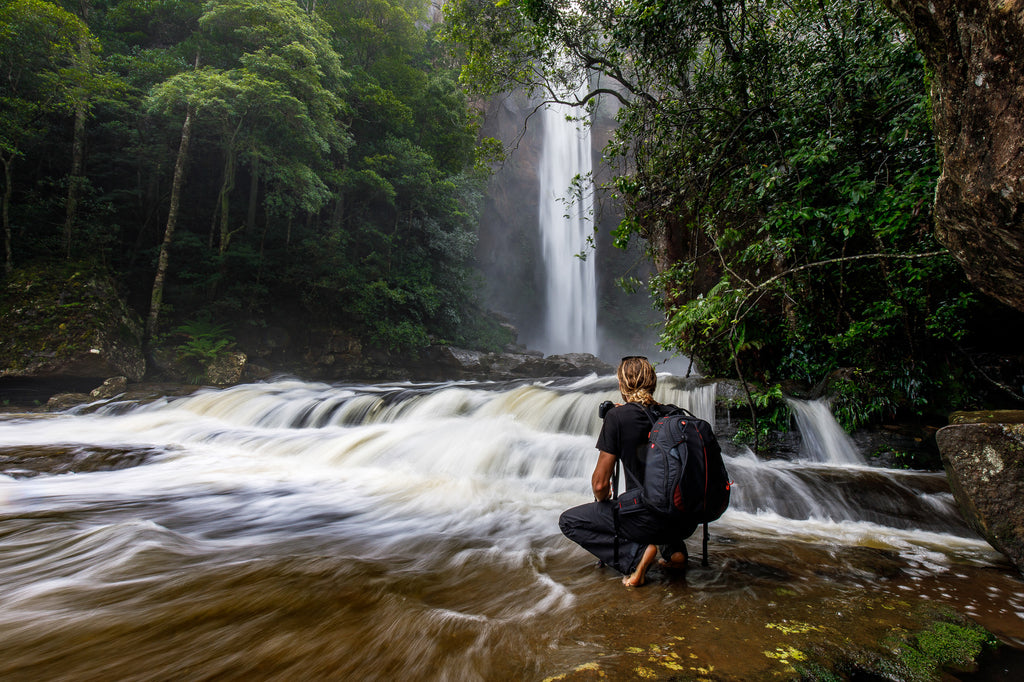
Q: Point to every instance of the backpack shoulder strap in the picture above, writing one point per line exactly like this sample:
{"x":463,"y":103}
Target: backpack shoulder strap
{"x":675,"y":409}
{"x":650,"y":412}
{"x":659,"y":410}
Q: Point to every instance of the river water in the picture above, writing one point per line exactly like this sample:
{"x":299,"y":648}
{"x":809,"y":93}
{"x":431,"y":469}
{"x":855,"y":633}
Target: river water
{"x":291,"y":530}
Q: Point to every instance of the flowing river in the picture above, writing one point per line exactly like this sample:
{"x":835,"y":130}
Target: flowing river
{"x":291,"y":530}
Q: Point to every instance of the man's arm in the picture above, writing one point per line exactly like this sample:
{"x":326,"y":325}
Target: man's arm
{"x":601,"y":481}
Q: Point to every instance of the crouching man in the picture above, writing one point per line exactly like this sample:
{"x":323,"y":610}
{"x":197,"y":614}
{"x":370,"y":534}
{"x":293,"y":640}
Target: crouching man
{"x":628,"y":542}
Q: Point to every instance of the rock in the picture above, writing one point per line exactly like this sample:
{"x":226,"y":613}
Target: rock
{"x":458,"y":358}
{"x":988,"y":417}
{"x":331,"y":348}
{"x":567,"y":365}
{"x":227,"y":369}
{"x":110,"y":388}
{"x":984,"y":463}
{"x":516,"y":366}
{"x":255,"y":372}
{"x":64,"y":401}
{"x":62,"y":320}
{"x":165,"y":365}
{"x":972,"y":50}
{"x":451,"y":362}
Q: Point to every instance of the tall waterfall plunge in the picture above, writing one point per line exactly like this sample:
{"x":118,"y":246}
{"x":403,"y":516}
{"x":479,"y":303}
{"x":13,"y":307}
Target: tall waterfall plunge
{"x":566,"y":202}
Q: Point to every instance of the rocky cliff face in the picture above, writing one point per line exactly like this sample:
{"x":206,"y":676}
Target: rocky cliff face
{"x":975,"y":50}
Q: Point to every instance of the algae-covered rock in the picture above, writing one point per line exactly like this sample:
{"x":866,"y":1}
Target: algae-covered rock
{"x":226,"y":369}
{"x":66,"y":320}
{"x":111,"y":387}
{"x":985,"y":467}
{"x":950,"y":643}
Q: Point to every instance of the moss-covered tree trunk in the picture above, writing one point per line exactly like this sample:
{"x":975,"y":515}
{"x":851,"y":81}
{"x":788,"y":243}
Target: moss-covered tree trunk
{"x":975,"y":50}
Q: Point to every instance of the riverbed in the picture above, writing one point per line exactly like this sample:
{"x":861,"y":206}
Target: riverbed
{"x":293,"y":530}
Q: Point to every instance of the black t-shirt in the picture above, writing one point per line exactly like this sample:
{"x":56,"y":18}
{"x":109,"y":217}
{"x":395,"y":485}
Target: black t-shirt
{"x":624,"y":434}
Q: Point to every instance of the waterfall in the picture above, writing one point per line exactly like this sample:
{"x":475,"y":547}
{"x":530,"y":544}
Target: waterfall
{"x":571,"y":289}
{"x":824,"y":440}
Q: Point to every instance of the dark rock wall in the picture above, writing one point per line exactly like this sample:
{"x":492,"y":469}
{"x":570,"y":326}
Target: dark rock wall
{"x":975,"y":51}
{"x":67,"y":321}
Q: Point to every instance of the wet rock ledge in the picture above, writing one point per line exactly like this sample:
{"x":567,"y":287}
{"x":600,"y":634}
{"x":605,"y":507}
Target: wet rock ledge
{"x":983,"y":454}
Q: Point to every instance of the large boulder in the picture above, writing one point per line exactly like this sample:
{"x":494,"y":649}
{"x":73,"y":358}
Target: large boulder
{"x":975,"y":56}
{"x":67,"y":321}
{"x":984,"y":463}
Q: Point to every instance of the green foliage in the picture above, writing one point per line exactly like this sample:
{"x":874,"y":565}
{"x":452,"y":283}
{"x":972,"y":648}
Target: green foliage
{"x":333,"y":177}
{"x":204,"y":341}
{"x":779,"y":157}
{"x":40,"y":65}
{"x":773,"y":416}
{"x":45,"y":73}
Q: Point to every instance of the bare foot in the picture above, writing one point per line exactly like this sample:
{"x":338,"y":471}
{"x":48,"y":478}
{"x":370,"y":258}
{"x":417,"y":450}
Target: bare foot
{"x":639,"y":575}
{"x":677,"y":560}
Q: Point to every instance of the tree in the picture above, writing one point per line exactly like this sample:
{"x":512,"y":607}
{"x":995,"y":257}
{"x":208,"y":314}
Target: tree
{"x":315,"y":154}
{"x":41,"y":69}
{"x":283,"y":111}
{"x":394,"y":256}
{"x":177,"y":89}
{"x":269,"y":100}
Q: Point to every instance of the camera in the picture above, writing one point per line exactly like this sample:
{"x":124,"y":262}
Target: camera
{"x":603,"y":408}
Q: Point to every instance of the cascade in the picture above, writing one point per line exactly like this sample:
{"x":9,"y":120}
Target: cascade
{"x":411,"y":530}
{"x":824,"y":440}
{"x":564,"y":224}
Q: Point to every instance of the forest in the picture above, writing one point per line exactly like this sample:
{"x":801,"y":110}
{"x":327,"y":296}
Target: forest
{"x":239,"y":161}
{"x":235,"y":163}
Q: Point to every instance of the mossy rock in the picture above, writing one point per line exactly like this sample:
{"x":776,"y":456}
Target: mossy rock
{"x":985,"y":468}
{"x":988,"y":417}
{"x":949,"y":643}
{"x":67,"y":319}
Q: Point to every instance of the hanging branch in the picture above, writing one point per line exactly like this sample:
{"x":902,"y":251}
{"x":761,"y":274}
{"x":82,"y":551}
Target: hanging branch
{"x":861,"y":256}
{"x":995,"y":382}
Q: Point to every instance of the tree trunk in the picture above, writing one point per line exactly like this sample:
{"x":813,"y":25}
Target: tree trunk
{"x":75,"y":179}
{"x":172,"y":218}
{"x":975,"y":50}
{"x":254,"y":194}
{"x":226,"y":188}
{"x":8,"y":161}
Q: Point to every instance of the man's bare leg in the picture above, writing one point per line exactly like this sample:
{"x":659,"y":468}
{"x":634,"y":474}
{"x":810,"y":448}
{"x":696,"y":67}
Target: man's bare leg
{"x":636,"y":579}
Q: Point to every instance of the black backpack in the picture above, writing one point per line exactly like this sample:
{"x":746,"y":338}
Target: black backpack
{"x":684,"y":474}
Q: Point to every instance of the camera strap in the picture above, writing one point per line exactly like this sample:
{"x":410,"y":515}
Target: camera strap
{"x":615,"y":512}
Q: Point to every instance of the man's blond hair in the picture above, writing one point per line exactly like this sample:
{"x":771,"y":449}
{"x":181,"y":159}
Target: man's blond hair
{"x":637,"y":380}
